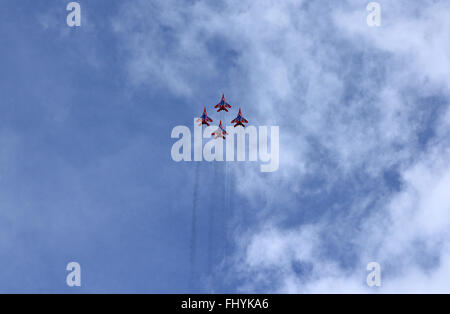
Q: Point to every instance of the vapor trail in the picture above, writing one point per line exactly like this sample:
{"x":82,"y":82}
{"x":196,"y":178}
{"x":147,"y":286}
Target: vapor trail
{"x":211,"y":237}
{"x":225,"y":205}
{"x":211,"y":216}
{"x":193,"y":246}
{"x":225,"y":212}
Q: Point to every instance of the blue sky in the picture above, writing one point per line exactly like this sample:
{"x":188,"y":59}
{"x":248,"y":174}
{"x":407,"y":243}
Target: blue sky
{"x":86,"y":173}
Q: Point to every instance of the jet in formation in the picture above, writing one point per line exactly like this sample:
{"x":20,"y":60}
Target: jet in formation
{"x":239,"y":120}
{"x":204,"y":119}
{"x":220,"y":132}
{"x":222,"y":105}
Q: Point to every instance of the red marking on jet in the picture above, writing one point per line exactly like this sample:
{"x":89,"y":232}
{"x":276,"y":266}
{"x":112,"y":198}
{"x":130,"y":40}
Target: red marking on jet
{"x":222,"y":105}
{"x":220,"y":132}
{"x":240,"y":120}
{"x":204,"y":119}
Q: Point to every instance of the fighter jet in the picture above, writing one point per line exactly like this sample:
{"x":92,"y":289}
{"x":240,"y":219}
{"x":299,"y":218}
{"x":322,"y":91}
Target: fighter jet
{"x":240,"y":120}
{"x":204,"y":119}
{"x":220,"y":132}
{"x":222,"y":105}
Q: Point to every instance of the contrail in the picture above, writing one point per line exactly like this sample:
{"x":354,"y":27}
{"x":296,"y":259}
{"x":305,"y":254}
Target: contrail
{"x":211,"y":216}
{"x":225,"y":212}
{"x":212,"y":213}
{"x":193,"y":246}
{"x":225,"y":200}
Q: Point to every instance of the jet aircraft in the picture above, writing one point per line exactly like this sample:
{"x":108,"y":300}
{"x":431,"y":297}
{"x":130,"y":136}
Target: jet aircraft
{"x":220,"y":132}
{"x":204,"y":119}
{"x":240,"y":120}
{"x":222,"y":105}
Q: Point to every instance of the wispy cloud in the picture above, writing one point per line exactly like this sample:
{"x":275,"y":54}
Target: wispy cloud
{"x":363,"y":139}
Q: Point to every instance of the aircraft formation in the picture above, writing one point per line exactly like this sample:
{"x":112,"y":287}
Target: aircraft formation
{"x":222,"y":106}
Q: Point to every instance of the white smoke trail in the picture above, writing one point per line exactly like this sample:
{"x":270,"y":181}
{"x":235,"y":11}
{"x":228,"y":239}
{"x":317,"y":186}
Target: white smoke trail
{"x":193,"y":245}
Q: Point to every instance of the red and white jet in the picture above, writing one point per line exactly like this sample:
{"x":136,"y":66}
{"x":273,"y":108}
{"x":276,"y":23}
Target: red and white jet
{"x":240,"y":120}
{"x":220,"y":132}
{"x":204,"y":119}
{"x":222,"y":105}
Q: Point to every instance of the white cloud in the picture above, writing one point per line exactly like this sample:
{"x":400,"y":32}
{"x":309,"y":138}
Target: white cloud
{"x":351,"y":101}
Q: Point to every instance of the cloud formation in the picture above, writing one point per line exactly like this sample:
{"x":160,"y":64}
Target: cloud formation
{"x":364,"y":121}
